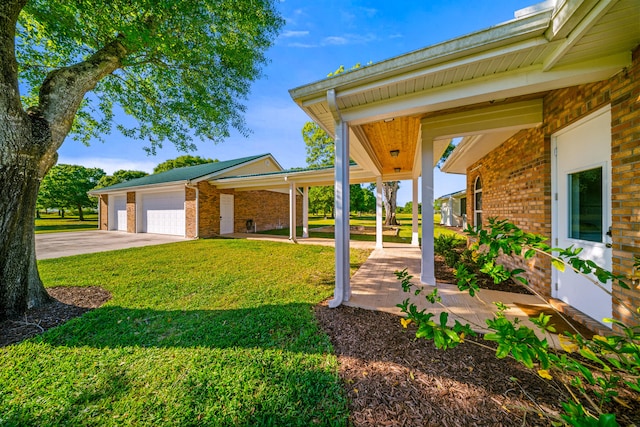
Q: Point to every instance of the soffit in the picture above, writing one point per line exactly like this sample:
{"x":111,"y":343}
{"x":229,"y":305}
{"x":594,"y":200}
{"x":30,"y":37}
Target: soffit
{"x":617,"y":30}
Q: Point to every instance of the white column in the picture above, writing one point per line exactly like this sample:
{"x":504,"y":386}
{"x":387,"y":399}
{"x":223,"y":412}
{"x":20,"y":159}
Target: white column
{"x":379,"y":238}
{"x":415,"y":241}
{"x":292,"y":211}
{"x":343,"y":289}
{"x":305,"y":212}
{"x":427,"y":276}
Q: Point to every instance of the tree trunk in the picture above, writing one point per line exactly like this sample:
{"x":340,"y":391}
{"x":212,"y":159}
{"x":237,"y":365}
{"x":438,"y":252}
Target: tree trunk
{"x":390,"y":191}
{"x":80,"y":216}
{"x":20,"y":284}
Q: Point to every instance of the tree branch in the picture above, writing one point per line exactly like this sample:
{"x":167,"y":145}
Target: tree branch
{"x":9,"y":92}
{"x":63,"y":89}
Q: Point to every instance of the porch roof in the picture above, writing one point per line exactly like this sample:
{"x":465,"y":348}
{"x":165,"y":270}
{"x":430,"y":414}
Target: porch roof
{"x":387,"y":106}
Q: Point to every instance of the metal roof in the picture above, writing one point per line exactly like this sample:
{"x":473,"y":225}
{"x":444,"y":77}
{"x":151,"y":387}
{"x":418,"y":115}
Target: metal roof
{"x":179,"y":175}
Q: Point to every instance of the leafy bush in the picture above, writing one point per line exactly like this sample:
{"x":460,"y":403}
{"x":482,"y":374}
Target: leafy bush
{"x":595,"y":372}
{"x":447,"y":245}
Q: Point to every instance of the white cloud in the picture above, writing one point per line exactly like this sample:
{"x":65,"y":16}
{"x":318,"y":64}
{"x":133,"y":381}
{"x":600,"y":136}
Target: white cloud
{"x":291,"y":33}
{"x":396,"y":36}
{"x":335,"y":40}
{"x":347,"y":39}
{"x":302,"y":45}
{"x":110,"y":165}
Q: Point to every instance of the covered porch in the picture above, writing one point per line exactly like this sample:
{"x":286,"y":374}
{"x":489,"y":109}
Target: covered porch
{"x":395,"y":118}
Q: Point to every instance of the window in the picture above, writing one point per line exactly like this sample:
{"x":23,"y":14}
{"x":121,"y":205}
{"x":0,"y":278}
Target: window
{"x":585,"y":205}
{"x":477,"y":203}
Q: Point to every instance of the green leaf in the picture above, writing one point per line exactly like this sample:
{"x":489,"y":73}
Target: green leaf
{"x":559,"y":265}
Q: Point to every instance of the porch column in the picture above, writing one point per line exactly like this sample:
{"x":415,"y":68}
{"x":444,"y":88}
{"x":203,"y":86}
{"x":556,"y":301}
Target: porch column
{"x":343,"y":288}
{"x":292,"y":211}
{"x":305,"y":212}
{"x":379,"y":243}
{"x":427,"y":276}
{"x":415,"y":241}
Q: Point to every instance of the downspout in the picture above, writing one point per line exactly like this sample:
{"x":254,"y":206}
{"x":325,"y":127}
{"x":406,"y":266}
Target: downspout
{"x":342,"y":291}
{"x":195,"y":187}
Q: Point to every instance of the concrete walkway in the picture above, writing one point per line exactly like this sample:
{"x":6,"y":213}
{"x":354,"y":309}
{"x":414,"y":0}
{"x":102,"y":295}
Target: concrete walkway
{"x":301,"y":241}
{"x":375,"y":287}
{"x":57,"y":245}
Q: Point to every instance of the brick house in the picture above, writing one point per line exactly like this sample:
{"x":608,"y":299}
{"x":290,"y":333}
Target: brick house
{"x":548,"y":109}
{"x":187,"y":202}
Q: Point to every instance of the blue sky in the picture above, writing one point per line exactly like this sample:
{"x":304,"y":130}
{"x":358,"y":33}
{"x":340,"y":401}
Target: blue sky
{"x":318,"y":37}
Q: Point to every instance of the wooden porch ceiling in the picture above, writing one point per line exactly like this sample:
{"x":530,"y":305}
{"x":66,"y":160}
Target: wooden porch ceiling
{"x":399,"y":134}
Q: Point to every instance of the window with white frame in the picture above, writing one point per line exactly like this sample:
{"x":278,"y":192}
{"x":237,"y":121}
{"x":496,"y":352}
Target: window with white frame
{"x":477,"y":203}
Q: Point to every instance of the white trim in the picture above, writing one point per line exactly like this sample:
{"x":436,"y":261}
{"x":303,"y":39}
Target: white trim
{"x":415,"y":240}
{"x":427,"y":275}
{"x":379,"y":235}
{"x":305,"y":212}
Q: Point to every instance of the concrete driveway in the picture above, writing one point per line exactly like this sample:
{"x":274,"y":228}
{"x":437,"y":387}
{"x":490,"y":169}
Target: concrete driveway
{"x":56,"y":245}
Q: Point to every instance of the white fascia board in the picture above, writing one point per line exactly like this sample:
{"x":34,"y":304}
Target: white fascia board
{"x":505,"y":85}
{"x":301,"y":178}
{"x":141,"y":188}
{"x":515,"y":115}
{"x":578,"y":31}
{"x":232,"y":168}
{"x":500,"y":35}
{"x":566,"y":16}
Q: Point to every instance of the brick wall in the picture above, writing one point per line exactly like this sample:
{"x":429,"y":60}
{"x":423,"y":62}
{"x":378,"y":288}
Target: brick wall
{"x":517,"y":175}
{"x":131,"y":212}
{"x":103,"y":206}
{"x":190,"y":212}
{"x":519,"y":191}
{"x":267,"y":209}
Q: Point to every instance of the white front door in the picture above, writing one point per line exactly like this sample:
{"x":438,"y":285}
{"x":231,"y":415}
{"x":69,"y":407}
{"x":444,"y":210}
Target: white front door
{"x":226,"y":214}
{"x":582,"y":208}
{"x":118,"y":213}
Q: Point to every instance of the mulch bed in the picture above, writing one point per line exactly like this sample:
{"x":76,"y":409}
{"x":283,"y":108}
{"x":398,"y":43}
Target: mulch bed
{"x":69,"y":302}
{"x":445,"y":274}
{"x":394,"y":379}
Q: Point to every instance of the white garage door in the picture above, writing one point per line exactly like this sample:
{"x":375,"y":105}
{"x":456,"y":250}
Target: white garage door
{"x":118,"y":215}
{"x":163,"y":213}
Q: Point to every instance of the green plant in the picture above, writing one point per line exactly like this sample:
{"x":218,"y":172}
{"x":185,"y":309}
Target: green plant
{"x":594,"y":372}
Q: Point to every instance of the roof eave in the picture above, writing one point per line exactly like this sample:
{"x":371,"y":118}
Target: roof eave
{"x":506,"y":33}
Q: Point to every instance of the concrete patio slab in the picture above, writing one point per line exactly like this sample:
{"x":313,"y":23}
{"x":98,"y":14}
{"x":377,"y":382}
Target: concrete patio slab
{"x":375,"y":287}
{"x":57,"y":245}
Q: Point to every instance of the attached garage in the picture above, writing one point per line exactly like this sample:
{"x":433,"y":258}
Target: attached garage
{"x":163,"y":213}
{"x":118,"y":214}
{"x":186,"y":201}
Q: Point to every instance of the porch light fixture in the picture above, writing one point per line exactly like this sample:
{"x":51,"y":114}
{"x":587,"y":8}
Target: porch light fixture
{"x":394,"y":153}
{"x":396,"y":170}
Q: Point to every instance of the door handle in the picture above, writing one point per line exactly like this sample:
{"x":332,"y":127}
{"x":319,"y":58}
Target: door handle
{"x":609,"y":245}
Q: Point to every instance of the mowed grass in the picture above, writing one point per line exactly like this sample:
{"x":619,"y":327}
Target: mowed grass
{"x":207,"y":332}
{"x":404,"y":235}
{"x":52,"y":223}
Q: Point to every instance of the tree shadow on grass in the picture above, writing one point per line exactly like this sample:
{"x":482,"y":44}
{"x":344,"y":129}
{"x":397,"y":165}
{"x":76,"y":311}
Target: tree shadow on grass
{"x":264,"y":365}
{"x":288,"y":327}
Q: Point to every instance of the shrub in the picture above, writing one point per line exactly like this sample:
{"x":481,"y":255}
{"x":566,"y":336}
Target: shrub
{"x":595,"y":372}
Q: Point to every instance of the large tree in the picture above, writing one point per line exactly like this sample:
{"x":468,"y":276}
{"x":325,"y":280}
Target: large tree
{"x":119,"y":176}
{"x":181,"y":162}
{"x":66,"y":186}
{"x":180,"y":69}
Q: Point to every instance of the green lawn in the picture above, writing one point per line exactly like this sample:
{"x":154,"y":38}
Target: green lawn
{"x":206,"y":332}
{"x":404,"y":236}
{"x":52,"y":223}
